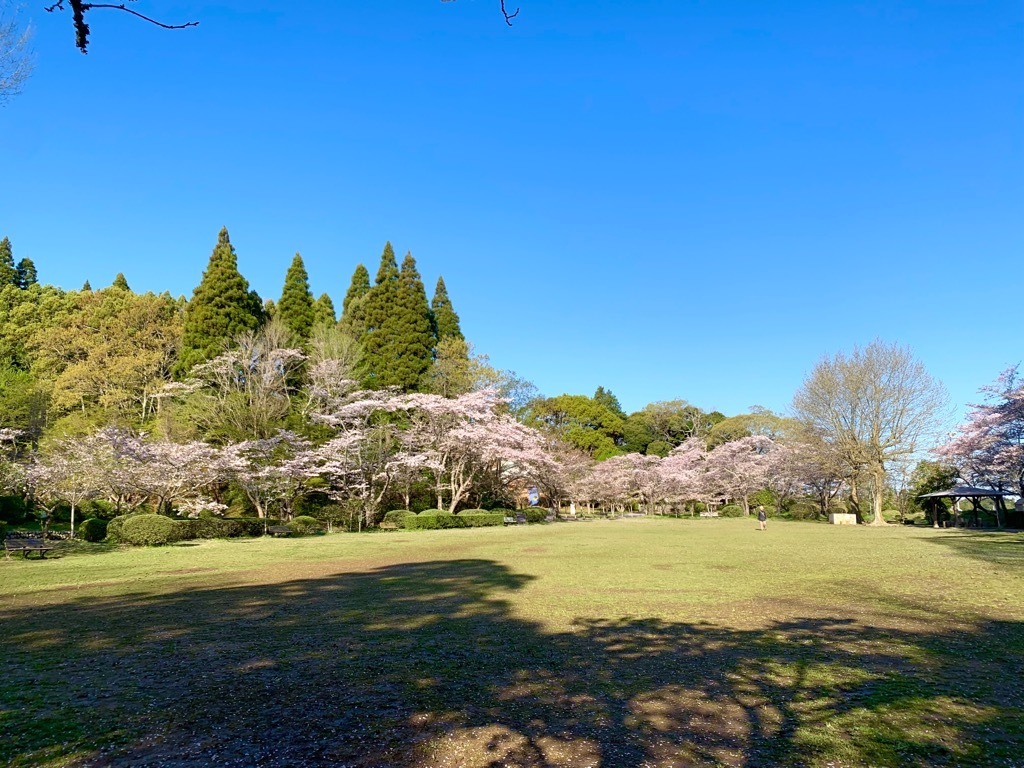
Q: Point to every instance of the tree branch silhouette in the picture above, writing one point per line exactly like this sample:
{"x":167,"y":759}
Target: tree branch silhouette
{"x":79,"y":9}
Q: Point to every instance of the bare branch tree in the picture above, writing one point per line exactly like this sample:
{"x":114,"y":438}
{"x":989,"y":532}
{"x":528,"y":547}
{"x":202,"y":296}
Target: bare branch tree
{"x":873,"y":407}
{"x":15,"y":56}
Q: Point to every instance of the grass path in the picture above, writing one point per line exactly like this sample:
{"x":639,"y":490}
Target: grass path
{"x":620,"y":643}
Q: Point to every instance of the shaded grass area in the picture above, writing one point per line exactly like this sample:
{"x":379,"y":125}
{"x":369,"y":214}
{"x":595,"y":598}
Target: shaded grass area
{"x":623,"y":643}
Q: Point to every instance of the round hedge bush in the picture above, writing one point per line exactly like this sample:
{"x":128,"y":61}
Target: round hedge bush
{"x":93,"y":529}
{"x":304,"y":525}
{"x":149,"y":530}
{"x":730,"y":510}
{"x":115,"y":526}
{"x":397,"y":516}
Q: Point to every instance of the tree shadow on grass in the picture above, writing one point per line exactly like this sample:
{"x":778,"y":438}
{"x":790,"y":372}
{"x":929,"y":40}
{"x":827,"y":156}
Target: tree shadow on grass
{"x":426,"y":664}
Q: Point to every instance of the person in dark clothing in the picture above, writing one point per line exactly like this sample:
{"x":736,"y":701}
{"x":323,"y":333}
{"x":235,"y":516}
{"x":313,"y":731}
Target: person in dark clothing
{"x":762,"y":518}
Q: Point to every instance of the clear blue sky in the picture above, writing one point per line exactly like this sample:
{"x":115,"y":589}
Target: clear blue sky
{"x":668,"y":198}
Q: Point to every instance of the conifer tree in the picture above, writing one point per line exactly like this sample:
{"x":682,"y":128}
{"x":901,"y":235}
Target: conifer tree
{"x":8,"y":272}
{"x":121,"y":282}
{"x":445,"y":320}
{"x":414,"y":338}
{"x":86,"y":288}
{"x":377,"y":336}
{"x":296,"y":305}
{"x":353,"y":308}
{"x":323,"y":311}
{"x":26,"y":273}
{"x":222,"y":307}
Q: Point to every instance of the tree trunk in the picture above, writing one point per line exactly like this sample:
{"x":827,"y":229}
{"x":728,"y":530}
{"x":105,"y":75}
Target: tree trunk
{"x":878,"y":495}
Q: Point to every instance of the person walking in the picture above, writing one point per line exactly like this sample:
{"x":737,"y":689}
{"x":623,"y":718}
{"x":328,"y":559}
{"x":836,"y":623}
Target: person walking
{"x":762,"y":519}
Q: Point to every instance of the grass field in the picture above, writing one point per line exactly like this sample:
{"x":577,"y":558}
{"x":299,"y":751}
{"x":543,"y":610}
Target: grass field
{"x":612,"y":643}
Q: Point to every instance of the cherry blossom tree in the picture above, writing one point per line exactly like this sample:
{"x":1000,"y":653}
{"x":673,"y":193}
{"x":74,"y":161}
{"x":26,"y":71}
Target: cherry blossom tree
{"x":64,"y":473}
{"x":639,"y":478}
{"x":687,"y":471}
{"x":465,"y":436}
{"x":740,"y":468}
{"x":167,"y":472}
{"x":988,"y":449}
{"x":275,"y":471}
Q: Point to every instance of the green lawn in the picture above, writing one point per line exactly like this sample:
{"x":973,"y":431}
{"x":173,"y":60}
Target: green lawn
{"x":610,"y":643}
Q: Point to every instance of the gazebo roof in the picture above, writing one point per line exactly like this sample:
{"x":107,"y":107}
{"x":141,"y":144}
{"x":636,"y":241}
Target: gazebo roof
{"x":964,"y":492}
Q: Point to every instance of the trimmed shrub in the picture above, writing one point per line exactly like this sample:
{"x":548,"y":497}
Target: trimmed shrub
{"x":535,"y":514}
{"x":115,"y":526}
{"x":93,"y":529}
{"x":434,"y":519}
{"x":731,"y":510}
{"x":304,"y":525}
{"x":397,"y":516}
{"x":3,"y":530}
{"x":149,"y":530}
{"x":222,"y":527}
{"x":479,"y":518}
{"x":803,"y":510}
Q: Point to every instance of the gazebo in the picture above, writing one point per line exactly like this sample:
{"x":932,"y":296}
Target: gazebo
{"x":973,"y":495}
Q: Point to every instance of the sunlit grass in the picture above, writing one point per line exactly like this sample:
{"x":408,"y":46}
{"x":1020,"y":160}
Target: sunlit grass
{"x":654,"y":642}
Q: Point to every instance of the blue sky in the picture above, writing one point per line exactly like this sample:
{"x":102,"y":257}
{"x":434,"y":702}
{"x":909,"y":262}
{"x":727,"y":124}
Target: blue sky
{"x":670,"y":199}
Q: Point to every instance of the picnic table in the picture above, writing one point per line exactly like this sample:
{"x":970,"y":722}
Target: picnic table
{"x":25,"y":545}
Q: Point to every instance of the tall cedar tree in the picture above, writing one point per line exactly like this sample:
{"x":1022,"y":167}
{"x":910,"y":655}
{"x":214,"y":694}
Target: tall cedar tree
{"x":26,"y":273}
{"x":221,"y":308}
{"x":414,"y":339}
{"x":323,"y":311}
{"x":378,"y":305}
{"x":445,"y":320}
{"x":295,"y":308}
{"x":353,"y":308}
{"x":8,"y":272}
{"x":121,"y":283}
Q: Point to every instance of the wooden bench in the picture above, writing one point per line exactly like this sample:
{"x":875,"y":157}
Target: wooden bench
{"x":25,"y":546}
{"x":388,"y":526}
{"x":279,"y":530}
{"x":517,"y":520}
{"x":709,"y":513}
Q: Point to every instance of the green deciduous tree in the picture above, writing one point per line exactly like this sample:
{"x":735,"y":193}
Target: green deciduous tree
{"x":111,"y":355}
{"x":295,"y":309}
{"x":222,"y":308}
{"x":580,"y":421}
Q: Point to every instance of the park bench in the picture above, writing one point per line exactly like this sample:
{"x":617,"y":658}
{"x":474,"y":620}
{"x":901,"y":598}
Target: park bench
{"x":709,"y":513}
{"x":388,"y":526}
{"x":279,"y":530}
{"x":25,"y":546}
